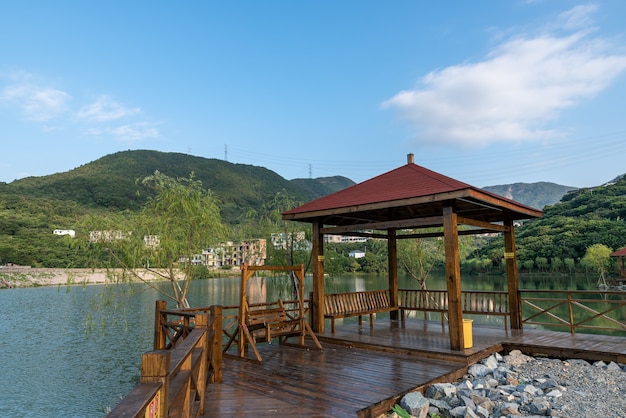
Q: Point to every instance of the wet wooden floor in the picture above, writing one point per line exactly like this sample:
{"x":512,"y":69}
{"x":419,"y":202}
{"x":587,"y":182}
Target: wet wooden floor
{"x":363,"y":370}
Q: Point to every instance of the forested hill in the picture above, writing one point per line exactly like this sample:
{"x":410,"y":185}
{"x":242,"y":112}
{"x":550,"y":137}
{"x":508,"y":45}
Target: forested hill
{"x":536,"y":195}
{"x":110,"y":182}
{"x":584,"y":217}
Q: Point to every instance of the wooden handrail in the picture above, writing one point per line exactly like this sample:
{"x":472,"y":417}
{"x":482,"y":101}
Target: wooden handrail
{"x":574,"y":309}
{"x":173,"y":381}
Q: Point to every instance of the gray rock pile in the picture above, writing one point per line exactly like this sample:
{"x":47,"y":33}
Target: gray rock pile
{"x":517,"y":385}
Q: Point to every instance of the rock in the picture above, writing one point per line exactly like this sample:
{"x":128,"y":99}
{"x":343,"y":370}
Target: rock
{"x":516,"y":358}
{"x":539,"y":407}
{"x":509,"y":408}
{"x":490,"y":362}
{"x":478,"y":370}
{"x":440,"y":390}
{"x":614,"y":367}
{"x":415,"y":404}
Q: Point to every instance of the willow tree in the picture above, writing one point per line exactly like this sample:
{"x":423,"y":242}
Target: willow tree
{"x":418,"y":257}
{"x":163,"y":239}
{"x":598,"y":258}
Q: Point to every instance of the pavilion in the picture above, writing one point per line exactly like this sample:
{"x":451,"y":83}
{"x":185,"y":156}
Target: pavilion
{"x":621,"y":266}
{"x":412,"y":197}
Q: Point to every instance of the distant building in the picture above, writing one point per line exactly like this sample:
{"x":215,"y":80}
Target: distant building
{"x":356,"y":254}
{"x":151,"y":241}
{"x":250,"y":252}
{"x":297,"y":240}
{"x":342,"y":239}
{"x":107,"y":236}
{"x":69,"y":232}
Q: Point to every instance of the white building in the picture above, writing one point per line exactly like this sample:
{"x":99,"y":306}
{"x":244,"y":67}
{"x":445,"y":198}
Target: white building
{"x":356,"y":254}
{"x":69,"y":232}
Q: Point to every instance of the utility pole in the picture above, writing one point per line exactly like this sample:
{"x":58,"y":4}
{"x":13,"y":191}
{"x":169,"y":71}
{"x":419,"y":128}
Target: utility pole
{"x":225,"y":152}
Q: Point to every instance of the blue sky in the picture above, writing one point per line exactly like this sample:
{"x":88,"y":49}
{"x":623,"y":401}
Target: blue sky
{"x":488,"y":92}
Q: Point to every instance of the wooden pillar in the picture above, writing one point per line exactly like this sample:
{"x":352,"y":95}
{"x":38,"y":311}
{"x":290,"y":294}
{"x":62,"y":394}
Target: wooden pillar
{"x":453,"y":277}
{"x":511,"y":274}
{"x":243,"y":306}
{"x":215,"y":355}
{"x":392,"y":262}
{"x":318,"y":278}
{"x":159,"y":334}
{"x":155,"y":367}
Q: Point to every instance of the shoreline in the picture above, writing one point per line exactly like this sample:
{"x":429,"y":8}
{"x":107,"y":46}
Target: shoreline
{"x":20,"y":277}
{"x":23,"y":277}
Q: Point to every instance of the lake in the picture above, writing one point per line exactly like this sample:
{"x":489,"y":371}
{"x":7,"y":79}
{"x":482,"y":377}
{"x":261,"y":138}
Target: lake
{"x":53,"y":367}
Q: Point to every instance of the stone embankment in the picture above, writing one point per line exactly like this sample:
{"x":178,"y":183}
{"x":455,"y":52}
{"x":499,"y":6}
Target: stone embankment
{"x":517,"y":385}
{"x":30,"y":277}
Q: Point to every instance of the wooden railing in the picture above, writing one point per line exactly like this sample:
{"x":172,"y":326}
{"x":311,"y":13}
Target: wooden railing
{"x":575,"y":309}
{"x":187,"y":357}
{"x":473,"y":302}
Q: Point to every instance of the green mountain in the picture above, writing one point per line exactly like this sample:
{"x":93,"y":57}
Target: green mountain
{"x":536,"y":195}
{"x":31,"y":208}
{"x":110,"y":182}
{"x":583,"y":217}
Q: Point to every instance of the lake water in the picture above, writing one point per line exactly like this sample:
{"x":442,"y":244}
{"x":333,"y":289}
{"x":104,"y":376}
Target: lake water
{"x":52,"y":367}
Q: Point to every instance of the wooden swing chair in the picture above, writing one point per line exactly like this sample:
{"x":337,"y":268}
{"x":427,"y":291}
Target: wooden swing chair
{"x":262,"y":322}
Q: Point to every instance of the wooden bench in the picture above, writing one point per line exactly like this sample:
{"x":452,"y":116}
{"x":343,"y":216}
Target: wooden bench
{"x":342,"y":305}
{"x":267,"y":323}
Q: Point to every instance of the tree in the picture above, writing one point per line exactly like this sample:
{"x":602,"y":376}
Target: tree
{"x":418,"y":256}
{"x":598,"y":257}
{"x":162,"y":240}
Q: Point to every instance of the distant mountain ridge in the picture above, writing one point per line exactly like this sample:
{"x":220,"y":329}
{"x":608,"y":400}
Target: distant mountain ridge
{"x":110,"y":182}
{"x":537,"y":195}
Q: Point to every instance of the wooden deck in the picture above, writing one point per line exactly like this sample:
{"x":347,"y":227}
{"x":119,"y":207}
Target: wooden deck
{"x":362,"y":371}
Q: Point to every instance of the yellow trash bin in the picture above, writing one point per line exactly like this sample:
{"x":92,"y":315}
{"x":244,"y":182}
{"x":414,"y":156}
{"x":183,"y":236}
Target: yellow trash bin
{"x":467,"y":333}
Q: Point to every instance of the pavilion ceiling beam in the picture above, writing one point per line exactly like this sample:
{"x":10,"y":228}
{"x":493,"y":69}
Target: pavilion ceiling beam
{"x":400,"y":224}
{"x":481,"y":224}
{"x":440,"y":233}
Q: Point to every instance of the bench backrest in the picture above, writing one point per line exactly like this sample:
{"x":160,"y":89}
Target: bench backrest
{"x":365,"y":301}
{"x":266,"y":316}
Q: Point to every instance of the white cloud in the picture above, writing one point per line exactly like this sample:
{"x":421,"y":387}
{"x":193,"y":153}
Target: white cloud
{"x":135,"y":132}
{"x":513,"y":93}
{"x":39,"y":104}
{"x":127,"y":133}
{"x":105,"y":109}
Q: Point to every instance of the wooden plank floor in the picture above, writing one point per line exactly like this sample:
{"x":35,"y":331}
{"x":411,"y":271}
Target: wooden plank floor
{"x":362,"y":370}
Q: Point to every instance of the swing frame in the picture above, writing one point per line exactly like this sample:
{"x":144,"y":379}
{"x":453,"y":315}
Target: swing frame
{"x":266,"y":321}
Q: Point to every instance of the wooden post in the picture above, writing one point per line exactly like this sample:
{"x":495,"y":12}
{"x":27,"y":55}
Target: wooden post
{"x":318,"y":278}
{"x":510,"y":259}
{"x":202,"y":321}
{"x":392,"y":263}
{"x":299,"y":273}
{"x":159,"y":334}
{"x":155,"y":367}
{"x":453,"y":277}
{"x":215,"y":348}
{"x":243,"y":306}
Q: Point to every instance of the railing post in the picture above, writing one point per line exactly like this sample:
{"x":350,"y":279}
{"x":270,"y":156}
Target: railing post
{"x":216,"y":344}
{"x":159,"y":334}
{"x":202,"y":321}
{"x":155,"y":367}
{"x":572,"y":329}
